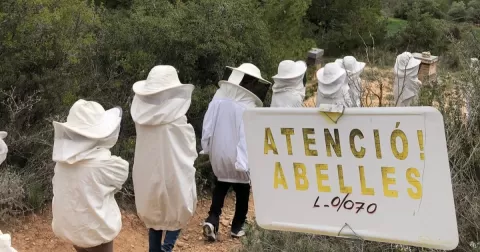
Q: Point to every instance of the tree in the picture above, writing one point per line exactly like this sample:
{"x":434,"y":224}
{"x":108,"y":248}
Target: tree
{"x":344,"y":25}
{"x":458,"y":11}
{"x":473,"y":11}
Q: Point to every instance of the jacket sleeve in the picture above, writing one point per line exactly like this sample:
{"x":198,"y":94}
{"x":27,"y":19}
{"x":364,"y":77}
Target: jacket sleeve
{"x":115,"y":173}
{"x":242,"y":156}
{"x":207,"y":130}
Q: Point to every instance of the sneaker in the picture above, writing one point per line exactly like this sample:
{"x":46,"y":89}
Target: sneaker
{"x":237,"y":234}
{"x":209,"y":232}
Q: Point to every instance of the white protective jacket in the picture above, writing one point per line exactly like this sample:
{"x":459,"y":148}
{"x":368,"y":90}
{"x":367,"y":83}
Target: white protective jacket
{"x":6,"y":243}
{"x":341,"y":97}
{"x":288,"y":93}
{"x":223,"y":136}
{"x":86,"y":178}
{"x":3,"y":148}
{"x":163,"y":171}
{"x":406,"y":86}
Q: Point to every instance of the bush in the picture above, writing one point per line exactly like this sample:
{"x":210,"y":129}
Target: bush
{"x":473,"y":11}
{"x":458,"y":11}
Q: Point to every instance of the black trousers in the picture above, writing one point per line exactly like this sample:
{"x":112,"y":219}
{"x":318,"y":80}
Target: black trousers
{"x":242,"y":194}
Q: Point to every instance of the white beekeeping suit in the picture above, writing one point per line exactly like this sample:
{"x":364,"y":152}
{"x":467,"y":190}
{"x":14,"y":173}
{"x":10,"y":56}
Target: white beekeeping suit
{"x":165,"y":150}
{"x":289,"y":88}
{"x":87,"y":176}
{"x":407,"y":85}
{"x":3,"y":147}
{"x":6,"y":243}
{"x":354,"y":70}
{"x":333,"y":86}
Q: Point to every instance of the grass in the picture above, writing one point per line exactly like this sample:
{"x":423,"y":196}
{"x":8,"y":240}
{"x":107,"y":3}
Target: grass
{"x":395,"y":25}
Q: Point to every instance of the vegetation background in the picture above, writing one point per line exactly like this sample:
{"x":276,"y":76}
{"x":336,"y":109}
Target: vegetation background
{"x":54,"y":52}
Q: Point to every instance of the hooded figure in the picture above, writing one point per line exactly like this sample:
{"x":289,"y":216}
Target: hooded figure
{"x":333,"y":86}
{"x":289,"y":87}
{"x":87,"y":176}
{"x":407,"y":84}
{"x":354,"y":69}
{"x":223,"y":139}
{"x":165,"y":150}
{"x":3,"y":147}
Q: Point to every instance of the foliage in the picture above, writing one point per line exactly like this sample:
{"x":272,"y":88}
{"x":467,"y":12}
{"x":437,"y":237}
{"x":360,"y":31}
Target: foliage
{"x":434,"y":8}
{"x":395,"y":26}
{"x":473,"y":11}
{"x":344,"y":25}
{"x":458,"y":11}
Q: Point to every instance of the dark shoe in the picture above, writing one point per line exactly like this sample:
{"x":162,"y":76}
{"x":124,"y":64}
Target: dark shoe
{"x":209,"y":232}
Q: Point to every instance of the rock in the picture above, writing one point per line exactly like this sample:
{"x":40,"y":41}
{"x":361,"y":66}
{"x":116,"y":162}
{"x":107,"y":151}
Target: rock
{"x":180,"y":244}
{"x":27,"y":239}
{"x":225,"y":223}
{"x":201,"y":238}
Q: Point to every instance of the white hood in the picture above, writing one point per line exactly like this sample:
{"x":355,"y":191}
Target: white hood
{"x":234,"y":92}
{"x":288,"y":93}
{"x":3,"y":151}
{"x":165,"y":151}
{"x":406,"y":85}
{"x":162,"y":108}
{"x":70,"y":147}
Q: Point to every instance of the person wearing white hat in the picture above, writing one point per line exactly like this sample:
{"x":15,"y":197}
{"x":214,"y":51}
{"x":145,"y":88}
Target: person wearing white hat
{"x":223,"y":139}
{"x":354,"y":69}
{"x":407,"y":85}
{"x":3,"y":147}
{"x":87,"y":176}
{"x":333,"y":86}
{"x":165,"y":150}
{"x":289,"y":87}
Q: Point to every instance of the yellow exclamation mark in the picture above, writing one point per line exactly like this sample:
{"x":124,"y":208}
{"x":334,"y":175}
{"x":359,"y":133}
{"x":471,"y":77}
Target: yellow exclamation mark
{"x":420,"y":143}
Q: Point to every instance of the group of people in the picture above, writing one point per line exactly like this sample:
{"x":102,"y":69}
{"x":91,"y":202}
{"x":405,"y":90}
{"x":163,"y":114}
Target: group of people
{"x":87,"y":175}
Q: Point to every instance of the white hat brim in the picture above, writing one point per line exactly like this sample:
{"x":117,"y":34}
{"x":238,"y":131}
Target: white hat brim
{"x":258,"y":77}
{"x":321,"y":79}
{"x":300,"y":68}
{"x":258,"y":102}
{"x":411,"y":64}
{"x":108,"y":124}
{"x":141,"y":88}
{"x":331,"y":87}
{"x":359,"y":66}
{"x":3,"y":134}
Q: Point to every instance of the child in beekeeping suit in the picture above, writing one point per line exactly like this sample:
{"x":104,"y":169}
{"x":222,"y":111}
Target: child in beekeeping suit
{"x":87,"y":176}
{"x":5,"y":239}
{"x":165,"y":150}
{"x":333,"y":86}
{"x":407,"y":85}
{"x":223,"y":139}
{"x":289,"y":87}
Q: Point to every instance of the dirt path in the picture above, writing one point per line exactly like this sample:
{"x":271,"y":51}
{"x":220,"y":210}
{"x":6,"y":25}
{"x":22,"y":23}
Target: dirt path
{"x":35,"y":233}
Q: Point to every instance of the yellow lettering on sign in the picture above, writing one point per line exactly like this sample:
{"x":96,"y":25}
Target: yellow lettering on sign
{"x":309,"y":141}
{"x":322,"y":177}
{"x":398,"y":133}
{"x":413,"y":176}
{"x":357,"y":153}
{"x":330,"y":143}
{"x":363,"y":183}
{"x":301,"y":180}
{"x":378,"y":148}
{"x":269,"y":142}
{"x":388,"y":181}
{"x":279,"y":177}
{"x":341,"y":181}
{"x":288,"y":132}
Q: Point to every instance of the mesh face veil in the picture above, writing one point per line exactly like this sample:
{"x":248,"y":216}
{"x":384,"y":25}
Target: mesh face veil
{"x":252,"y":84}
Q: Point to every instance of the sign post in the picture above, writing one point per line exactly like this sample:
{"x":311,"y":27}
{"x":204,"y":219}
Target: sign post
{"x":381,"y":174}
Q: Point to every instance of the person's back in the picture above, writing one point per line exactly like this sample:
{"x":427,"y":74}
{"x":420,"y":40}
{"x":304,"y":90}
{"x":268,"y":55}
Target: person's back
{"x":87,"y":177}
{"x":165,"y":151}
{"x":289,"y":87}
